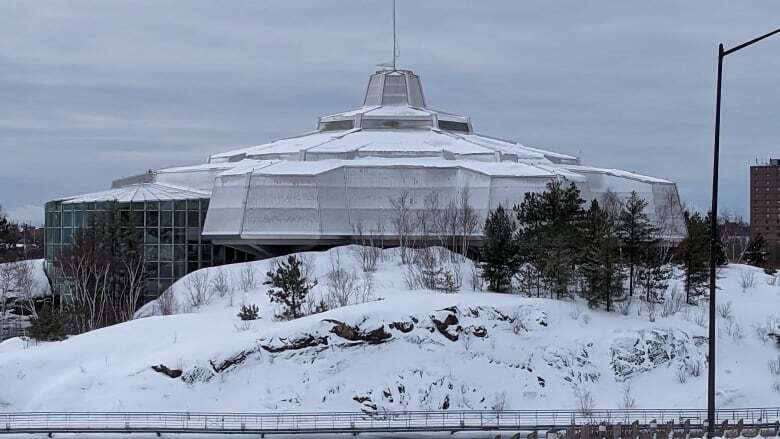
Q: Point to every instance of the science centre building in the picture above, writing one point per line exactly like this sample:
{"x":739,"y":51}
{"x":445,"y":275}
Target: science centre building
{"x":319,"y":188}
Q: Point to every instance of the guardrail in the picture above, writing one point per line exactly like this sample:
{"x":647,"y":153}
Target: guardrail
{"x":348,"y":422}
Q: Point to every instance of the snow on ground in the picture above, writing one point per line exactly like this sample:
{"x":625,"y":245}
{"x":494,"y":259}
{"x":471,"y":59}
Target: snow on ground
{"x":402,"y":349}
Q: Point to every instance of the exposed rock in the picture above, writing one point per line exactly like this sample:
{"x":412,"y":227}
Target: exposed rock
{"x":197,"y":374}
{"x":478,"y":331}
{"x":367,"y":406}
{"x":275,"y":345}
{"x":649,"y":349}
{"x":354,"y":333}
{"x":232,"y":361}
{"x":165,"y":370}
{"x":443,"y":322}
{"x":404,"y":327}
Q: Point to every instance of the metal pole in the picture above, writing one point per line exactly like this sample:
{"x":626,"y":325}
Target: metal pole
{"x":713,"y":254}
{"x":394,"y":43}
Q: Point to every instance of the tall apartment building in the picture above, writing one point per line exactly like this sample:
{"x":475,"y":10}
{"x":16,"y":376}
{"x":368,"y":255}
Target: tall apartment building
{"x":765,"y":205}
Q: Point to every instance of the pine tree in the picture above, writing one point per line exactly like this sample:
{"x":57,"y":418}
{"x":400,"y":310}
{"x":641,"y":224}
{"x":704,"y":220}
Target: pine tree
{"x":600,"y":265}
{"x":654,"y":273}
{"x":756,"y":251}
{"x":499,"y":250}
{"x":694,"y":253}
{"x":549,"y":228}
{"x":720,"y":253}
{"x":289,"y":287}
{"x":637,"y":234}
{"x":9,"y":232}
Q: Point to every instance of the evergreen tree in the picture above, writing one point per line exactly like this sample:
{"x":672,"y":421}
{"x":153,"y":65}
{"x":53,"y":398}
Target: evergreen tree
{"x":654,"y":273}
{"x":549,"y":230}
{"x":694,"y":254}
{"x":637,"y":234}
{"x":9,"y":232}
{"x":720,"y":253}
{"x":289,"y":287}
{"x":600,"y":265}
{"x":756,"y":251}
{"x":499,"y":250}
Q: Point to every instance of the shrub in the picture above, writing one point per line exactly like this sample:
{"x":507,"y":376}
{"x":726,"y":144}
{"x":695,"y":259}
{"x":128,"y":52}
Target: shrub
{"x":774,"y":366}
{"x":747,"y":280}
{"x":50,"y":325}
{"x":725,"y":310}
{"x":249,"y":312}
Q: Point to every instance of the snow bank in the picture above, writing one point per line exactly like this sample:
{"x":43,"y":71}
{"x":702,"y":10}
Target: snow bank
{"x":401,"y":350}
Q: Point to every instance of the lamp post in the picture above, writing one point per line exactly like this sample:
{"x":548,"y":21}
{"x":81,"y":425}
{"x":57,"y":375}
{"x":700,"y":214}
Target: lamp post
{"x":722,"y":53}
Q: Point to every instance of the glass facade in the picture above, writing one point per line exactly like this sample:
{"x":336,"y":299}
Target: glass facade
{"x":171,"y":232}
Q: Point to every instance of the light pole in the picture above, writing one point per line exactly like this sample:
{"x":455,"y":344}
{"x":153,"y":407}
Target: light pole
{"x":722,"y":53}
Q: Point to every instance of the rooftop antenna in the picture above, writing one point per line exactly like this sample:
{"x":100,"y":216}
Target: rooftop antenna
{"x":395,"y":45}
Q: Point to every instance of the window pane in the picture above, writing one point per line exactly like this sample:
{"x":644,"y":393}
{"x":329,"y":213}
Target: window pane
{"x":166,"y":219}
{"x":193,"y":219}
{"x":138,"y":218}
{"x":193,"y":235}
{"x":179,"y":269}
{"x":166,"y":270}
{"x":180,"y":219}
{"x":67,"y":219}
{"x":166,"y":205}
{"x":180,"y":205}
{"x":152,"y":219}
{"x":151,"y":269}
{"x":180,"y":236}
{"x":152,"y":205}
{"x":166,"y":252}
{"x":67,"y":235}
{"x":151,"y":236}
{"x":180,"y":252}
{"x":193,"y":205}
{"x":150,"y":252}
{"x":192,"y":253}
{"x":166,"y":236}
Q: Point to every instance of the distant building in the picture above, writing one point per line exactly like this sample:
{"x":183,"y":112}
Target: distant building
{"x":765,"y":205}
{"x":320,"y":188}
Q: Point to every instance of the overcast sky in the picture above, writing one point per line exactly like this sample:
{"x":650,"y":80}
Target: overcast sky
{"x":92,"y":91}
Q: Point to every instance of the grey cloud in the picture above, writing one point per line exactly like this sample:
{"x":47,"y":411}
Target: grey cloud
{"x":98,"y":90}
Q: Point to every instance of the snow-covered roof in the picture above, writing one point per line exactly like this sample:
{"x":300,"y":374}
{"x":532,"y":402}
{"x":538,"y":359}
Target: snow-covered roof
{"x":139,"y":192}
{"x":493,"y":169}
{"x":616,"y":173}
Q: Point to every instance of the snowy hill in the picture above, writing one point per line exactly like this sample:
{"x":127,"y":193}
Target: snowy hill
{"x":397,"y":349}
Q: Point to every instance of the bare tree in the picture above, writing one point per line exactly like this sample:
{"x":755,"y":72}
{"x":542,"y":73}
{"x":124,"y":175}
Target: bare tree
{"x":7,"y":284}
{"x":198,"y":287}
{"x":25,"y":286}
{"x":403,"y":223}
{"x":247,"y":281}
{"x":88,"y":284}
{"x":166,"y":303}
{"x":468,"y":220}
{"x":369,"y":248}
{"x":733,"y":241}
{"x":221,"y":284}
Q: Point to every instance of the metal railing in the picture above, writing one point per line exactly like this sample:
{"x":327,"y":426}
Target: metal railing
{"x":350,"y":422}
